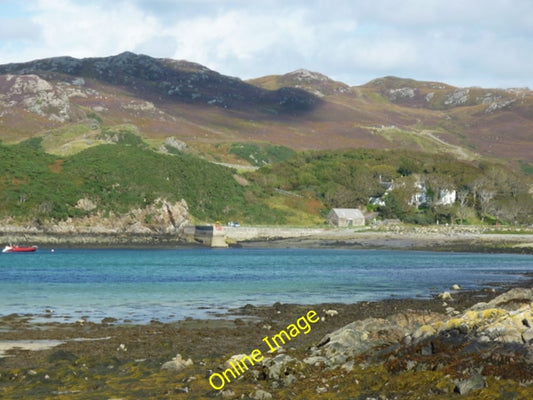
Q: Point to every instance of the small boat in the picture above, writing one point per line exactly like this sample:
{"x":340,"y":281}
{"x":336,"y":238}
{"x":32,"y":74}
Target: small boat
{"x":19,"y":249}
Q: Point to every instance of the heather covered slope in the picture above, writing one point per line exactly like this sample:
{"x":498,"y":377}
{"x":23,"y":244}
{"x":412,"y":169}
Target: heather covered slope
{"x":164,"y":79}
{"x":125,"y":130}
{"x":67,"y":100}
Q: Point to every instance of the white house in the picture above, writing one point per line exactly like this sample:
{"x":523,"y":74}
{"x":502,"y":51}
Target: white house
{"x":447,"y":197}
{"x":346,"y":217}
{"x":419,"y":197}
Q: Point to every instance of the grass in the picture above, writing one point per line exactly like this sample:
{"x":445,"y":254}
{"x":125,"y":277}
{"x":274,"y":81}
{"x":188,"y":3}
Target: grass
{"x":69,"y":140}
{"x":299,"y":212}
{"x":526,"y":168}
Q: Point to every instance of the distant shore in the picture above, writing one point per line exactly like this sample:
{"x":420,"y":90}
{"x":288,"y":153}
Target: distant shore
{"x":454,"y":239}
{"x":431,"y":238}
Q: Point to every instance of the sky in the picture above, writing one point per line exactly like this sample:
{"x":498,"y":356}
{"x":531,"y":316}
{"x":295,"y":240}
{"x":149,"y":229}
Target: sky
{"x":486,"y":43}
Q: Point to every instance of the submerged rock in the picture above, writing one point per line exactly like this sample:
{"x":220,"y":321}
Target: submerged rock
{"x":444,"y":296}
{"x":62,"y":355}
{"x":456,"y":287}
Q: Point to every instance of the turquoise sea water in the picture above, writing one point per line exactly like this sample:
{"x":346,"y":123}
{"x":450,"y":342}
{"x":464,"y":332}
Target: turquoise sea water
{"x":166,"y":285}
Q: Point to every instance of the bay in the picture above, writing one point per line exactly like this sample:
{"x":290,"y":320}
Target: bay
{"x":173,"y":284}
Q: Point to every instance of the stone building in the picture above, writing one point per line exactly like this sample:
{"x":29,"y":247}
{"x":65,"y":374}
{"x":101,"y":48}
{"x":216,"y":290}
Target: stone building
{"x":344,"y":217}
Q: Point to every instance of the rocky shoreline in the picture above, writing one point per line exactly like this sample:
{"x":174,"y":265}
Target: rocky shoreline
{"x":459,"y":344}
{"x":453,"y":238}
{"x":97,"y":240}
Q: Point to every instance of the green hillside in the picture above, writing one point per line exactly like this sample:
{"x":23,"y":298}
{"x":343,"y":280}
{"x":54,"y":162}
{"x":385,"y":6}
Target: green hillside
{"x":118,"y":178}
{"x":484,"y":192}
{"x":108,"y":136}
{"x":30,"y":185}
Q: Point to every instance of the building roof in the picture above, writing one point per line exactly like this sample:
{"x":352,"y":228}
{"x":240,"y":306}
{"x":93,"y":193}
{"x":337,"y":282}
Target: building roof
{"x":348,"y":213}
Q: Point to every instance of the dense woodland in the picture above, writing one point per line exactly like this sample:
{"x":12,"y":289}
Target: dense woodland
{"x":485,"y":192}
{"x":293,"y":188}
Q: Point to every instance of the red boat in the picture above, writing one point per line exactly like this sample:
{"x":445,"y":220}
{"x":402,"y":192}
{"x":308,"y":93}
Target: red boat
{"x":19,"y":249}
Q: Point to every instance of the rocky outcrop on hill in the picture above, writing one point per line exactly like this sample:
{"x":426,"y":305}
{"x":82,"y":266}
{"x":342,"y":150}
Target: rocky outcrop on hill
{"x":314,"y":82}
{"x":35,"y":95}
{"x":161,"y":221}
{"x":434,"y":95}
{"x":160,"y":217}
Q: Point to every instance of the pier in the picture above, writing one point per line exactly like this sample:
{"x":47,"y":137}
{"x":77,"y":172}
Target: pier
{"x":208,"y":235}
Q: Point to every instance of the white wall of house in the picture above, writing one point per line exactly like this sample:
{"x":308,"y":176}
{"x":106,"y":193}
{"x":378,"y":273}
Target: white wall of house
{"x":447,"y":197}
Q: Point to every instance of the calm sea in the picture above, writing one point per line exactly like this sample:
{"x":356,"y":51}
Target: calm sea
{"x":167,"y":285}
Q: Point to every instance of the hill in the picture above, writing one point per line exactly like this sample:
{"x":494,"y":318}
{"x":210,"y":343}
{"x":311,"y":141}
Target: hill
{"x":67,"y":101}
{"x":131,"y":186}
{"x":119,"y":179}
{"x":117,"y":136}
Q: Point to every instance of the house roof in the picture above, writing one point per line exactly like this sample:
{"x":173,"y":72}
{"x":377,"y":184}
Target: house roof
{"x":349,"y":213}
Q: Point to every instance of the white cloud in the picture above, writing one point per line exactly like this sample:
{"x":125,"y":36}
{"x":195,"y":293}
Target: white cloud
{"x":91,"y":28}
{"x":475,"y":42}
{"x":242,"y":37}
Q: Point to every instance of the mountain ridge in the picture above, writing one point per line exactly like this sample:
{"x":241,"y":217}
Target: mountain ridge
{"x":180,"y":80}
{"x":64,"y":98}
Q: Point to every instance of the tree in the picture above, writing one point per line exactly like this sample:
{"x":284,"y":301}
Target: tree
{"x":485,"y":197}
{"x":515,"y":209}
{"x":462,"y":202}
{"x":398,"y":200}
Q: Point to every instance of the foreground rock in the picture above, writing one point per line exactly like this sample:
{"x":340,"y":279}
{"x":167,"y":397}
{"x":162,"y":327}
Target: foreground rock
{"x":491,"y":340}
{"x":177,"y":363}
{"x":506,"y":319}
{"x":483,"y":351}
{"x":362,"y":336}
